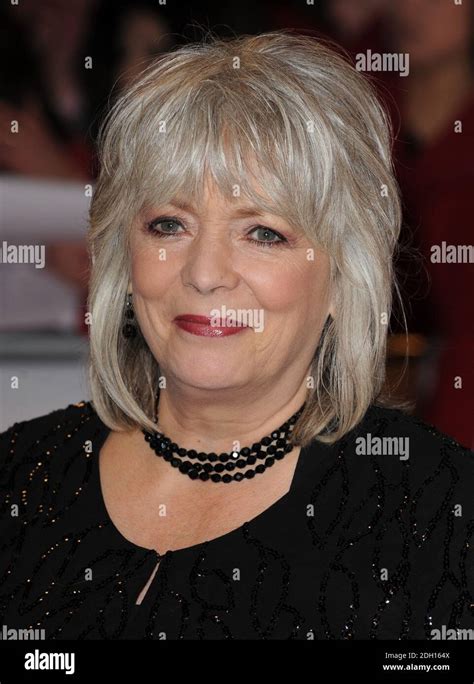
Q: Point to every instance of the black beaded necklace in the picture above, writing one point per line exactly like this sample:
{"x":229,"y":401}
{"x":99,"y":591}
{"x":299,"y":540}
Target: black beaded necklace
{"x":209,"y":466}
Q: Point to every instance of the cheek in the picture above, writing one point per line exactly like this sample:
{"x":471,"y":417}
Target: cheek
{"x":290,"y":287}
{"x":151,"y":273}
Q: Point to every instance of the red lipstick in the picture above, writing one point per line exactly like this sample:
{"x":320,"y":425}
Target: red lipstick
{"x":202,"y":325}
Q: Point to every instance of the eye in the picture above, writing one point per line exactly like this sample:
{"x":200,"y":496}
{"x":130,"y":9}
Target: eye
{"x":165,"y":224}
{"x":168,"y":226}
{"x":266,"y":235}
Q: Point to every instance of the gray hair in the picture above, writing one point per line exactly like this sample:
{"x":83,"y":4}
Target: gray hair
{"x":289,"y":111}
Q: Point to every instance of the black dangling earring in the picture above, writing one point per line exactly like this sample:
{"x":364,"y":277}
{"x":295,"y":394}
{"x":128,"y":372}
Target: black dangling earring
{"x":129,"y":330}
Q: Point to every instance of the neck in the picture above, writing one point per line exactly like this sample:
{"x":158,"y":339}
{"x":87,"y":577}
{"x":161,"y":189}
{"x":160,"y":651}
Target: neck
{"x":201,"y":421}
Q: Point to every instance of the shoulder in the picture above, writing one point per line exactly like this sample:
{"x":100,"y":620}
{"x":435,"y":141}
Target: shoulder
{"x":45,"y":464}
{"x":415,"y":469}
{"x":24,"y":441}
{"x":34,"y":428}
{"x":388,"y":432}
{"x":427,"y":476}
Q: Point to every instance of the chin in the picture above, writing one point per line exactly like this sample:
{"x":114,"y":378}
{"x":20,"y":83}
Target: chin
{"x":212,"y":375}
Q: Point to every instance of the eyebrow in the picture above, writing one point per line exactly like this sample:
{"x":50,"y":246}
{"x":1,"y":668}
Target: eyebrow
{"x":243,"y":211}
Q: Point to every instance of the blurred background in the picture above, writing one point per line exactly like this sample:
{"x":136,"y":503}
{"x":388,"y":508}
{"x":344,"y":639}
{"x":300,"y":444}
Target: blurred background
{"x":64,"y":61}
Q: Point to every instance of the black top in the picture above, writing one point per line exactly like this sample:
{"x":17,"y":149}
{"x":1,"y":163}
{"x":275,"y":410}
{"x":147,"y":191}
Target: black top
{"x":364,"y":545}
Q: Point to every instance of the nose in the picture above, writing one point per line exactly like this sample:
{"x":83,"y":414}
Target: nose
{"x":209,"y":263}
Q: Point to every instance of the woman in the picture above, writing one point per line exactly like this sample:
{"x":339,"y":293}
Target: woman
{"x":236,"y":474}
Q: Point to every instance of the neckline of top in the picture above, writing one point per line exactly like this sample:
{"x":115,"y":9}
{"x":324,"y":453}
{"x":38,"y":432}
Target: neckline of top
{"x":297,"y":482}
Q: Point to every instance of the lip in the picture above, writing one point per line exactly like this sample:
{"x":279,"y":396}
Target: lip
{"x":201,"y":325}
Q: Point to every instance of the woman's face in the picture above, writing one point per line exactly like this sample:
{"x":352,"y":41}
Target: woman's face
{"x":209,"y":260}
